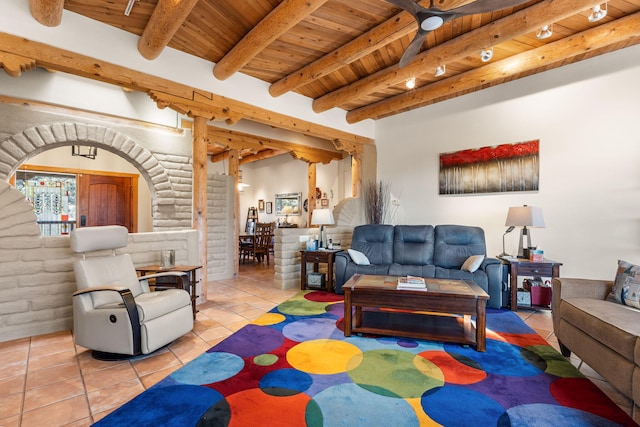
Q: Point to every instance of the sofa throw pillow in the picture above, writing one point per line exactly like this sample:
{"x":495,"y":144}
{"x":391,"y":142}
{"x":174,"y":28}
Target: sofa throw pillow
{"x":472,"y":263}
{"x":358,"y":257}
{"x":626,"y":273}
{"x":631,"y":292}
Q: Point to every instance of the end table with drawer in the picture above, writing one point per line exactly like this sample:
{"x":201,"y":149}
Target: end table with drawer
{"x":525,"y":267}
{"x":322,"y":256}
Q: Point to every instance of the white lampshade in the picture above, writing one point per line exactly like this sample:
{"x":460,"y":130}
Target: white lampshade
{"x":322,"y":217}
{"x":525,"y":216}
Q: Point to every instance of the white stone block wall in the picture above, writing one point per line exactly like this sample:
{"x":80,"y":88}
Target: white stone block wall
{"x":220,"y":228}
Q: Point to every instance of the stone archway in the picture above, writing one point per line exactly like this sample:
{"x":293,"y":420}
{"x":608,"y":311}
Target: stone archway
{"x":22,"y":146}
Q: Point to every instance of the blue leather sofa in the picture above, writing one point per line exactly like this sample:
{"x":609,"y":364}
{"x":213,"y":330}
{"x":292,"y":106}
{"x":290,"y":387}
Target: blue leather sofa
{"x":422,"y":250}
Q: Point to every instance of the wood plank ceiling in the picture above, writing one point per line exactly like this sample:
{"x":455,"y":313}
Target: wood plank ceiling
{"x":345,"y":53}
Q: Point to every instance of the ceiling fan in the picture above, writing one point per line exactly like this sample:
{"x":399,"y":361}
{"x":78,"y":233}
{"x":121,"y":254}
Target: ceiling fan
{"x":432,"y":18}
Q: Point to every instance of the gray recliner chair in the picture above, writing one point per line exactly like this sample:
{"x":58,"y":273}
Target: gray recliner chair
{"x":115,"y":314}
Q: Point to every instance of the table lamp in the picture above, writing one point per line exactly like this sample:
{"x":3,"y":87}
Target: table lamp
{"x":322,"y":217}
{"x":524,"y":216}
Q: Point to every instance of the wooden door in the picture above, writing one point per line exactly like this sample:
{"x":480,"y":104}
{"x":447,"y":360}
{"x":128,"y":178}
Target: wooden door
{"x":107,"y":200}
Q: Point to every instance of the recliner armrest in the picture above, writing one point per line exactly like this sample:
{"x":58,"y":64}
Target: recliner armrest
{"x":119,"y":289}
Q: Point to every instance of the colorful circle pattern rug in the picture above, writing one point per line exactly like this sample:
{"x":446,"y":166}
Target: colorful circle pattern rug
{"x":294,"y":367}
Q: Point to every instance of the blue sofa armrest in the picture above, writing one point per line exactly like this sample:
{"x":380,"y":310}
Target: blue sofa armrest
{"x":493,"y":268}
{"x":342,"y":260}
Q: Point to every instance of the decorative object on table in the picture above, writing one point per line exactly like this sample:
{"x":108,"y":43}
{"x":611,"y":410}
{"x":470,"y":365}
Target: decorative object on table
{"x":167,"y":258}
{"x":322,"y":217}
{"x":496,"y":169}
{"x":509,"y":230}
{"x":260,"y":205}
{"x":312,"y":245}
{"x":524,"y":216}
{"x":269,"y":207}
{"x":378,"y":208}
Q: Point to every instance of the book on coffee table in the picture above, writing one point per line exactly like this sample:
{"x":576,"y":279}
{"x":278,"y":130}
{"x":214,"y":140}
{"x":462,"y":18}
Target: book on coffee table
{"x":411,"y":282}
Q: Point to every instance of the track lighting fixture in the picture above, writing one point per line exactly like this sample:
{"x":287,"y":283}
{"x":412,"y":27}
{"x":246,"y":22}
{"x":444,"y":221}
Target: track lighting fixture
{"x":127,"y":11}
{"x":440,"y":70}
{"x":486,"y":54}
{"x":545,"y":32}
{"x":411,"y":83}
{"x":597,"y":13}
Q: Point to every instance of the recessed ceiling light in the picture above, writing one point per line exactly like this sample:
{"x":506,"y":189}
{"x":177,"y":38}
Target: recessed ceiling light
{"x":411,"y":83}
{"x":486,"y":54}
{"x":440,"y":70}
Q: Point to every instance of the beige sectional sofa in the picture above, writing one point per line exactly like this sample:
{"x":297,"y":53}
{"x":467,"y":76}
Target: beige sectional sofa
{"x":603,"y":333}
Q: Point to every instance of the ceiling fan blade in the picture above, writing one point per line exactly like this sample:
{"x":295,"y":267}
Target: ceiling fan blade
{"x":483,"y":6}
{"x":408,"y":5}
{"x":413,"y":48}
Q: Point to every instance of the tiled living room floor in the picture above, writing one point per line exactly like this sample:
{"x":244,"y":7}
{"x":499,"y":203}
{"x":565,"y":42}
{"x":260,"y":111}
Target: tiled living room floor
{"x":47,"y":381}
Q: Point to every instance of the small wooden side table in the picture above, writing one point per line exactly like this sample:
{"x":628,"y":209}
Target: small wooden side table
{"x":524,"y":267}
{"x":189,"y":269}
{"x":316,"y":257}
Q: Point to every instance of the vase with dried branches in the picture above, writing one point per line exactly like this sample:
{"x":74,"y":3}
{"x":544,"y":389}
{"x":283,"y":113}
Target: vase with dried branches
{"x":377,"y":203}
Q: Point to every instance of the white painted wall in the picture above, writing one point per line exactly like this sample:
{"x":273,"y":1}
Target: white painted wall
{"x":586,"y":118}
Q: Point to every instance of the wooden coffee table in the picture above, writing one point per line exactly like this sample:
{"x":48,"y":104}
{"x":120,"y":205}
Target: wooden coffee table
{"x":441,"y":313}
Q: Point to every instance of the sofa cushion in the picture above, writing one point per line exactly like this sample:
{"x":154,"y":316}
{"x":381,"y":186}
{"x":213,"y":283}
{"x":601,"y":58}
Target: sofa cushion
{"x":358,"y":257}
{"x":614,"y":325}
{"x":472,"y":263}
{"x":413,"y":244}
{"x":412,"y":270}
{"x":625,"y":277}
{"x":375,"y":241}
{"x":455,"y":243}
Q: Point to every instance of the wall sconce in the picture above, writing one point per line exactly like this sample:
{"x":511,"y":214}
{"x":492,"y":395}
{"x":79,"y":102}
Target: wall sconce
{"x":440,"y":70}
{"x":597,"y":13}
{"x":84,"y":151}
{"x":411,"y":83}
{"x":486,"y":54}
{"x":545,"y":32}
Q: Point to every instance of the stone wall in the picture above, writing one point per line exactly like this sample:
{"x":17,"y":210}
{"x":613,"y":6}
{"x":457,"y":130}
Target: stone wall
{"x":36,"y":273}
{"x":36,"y":277}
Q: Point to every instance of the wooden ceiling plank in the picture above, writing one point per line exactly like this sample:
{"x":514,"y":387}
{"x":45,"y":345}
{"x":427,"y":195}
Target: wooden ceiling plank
{"x":545,"y":56}
{"x":390,"y":30}
{"x":47,"y":12}
{"x":281,"y":19}
{"x":165,"y":20}
{"x":80,"y":65}
{"x":521,"y":22}
{"x":262,"y":155}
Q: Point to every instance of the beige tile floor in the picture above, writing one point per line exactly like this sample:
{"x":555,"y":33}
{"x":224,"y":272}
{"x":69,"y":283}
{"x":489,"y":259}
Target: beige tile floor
{"x":48,"y":381}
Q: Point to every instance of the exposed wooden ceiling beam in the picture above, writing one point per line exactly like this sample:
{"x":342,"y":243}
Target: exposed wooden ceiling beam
{"x":518,"y":23}
{"x":281,"y":19}
{"x":15,"y":65}
{"x":243,"y":141}
{"x":47,"y":12}
{"x":549,"y":55}
{"x":189,"y":98}
{"x":390,"y":30}
{"x":262,"y":155}
{"x":166,"y":19}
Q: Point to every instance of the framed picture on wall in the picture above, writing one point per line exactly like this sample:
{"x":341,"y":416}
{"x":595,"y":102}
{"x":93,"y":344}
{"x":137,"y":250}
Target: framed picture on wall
{"x":260,"y":205}
{"x":269,"y":207}
{"x":324,"y":202}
